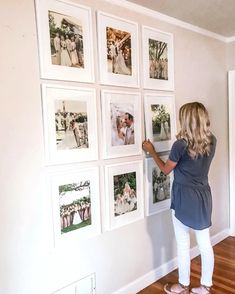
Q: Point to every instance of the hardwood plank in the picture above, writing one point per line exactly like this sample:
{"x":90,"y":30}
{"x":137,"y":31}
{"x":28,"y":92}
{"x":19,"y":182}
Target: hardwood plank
{"x":224,"y":272}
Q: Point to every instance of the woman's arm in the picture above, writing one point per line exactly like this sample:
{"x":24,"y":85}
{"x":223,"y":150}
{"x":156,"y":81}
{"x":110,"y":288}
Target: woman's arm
{"x":165,"y":167}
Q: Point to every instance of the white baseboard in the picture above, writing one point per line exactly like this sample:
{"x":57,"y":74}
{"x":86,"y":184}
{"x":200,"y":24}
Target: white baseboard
{"x":161,"y":271}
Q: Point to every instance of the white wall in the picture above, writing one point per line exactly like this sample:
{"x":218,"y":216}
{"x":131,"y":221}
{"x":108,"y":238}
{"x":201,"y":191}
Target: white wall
{"x":27,"y":262}
{"x":231,"y":56}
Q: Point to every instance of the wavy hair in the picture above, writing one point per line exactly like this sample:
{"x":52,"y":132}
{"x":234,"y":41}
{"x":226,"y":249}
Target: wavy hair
{"x":195,"y":124}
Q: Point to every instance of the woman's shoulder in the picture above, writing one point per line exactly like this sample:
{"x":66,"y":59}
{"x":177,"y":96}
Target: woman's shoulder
{"x":180,"y":143}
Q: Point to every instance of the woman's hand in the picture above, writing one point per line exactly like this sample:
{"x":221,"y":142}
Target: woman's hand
{"x":147,"y":146}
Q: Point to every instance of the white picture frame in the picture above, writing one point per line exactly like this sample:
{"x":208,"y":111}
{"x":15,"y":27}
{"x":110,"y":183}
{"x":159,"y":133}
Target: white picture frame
{"x":65,"y":41}
{"x":124,"y":194}
{"x":75,"y":204}
{"x":158,"y":187}
{"x":160,"y":121}
{"x":70,"y":124}
{"x":158,"y":59}
{"x":122,"y":128}
{"x":118,"y":51}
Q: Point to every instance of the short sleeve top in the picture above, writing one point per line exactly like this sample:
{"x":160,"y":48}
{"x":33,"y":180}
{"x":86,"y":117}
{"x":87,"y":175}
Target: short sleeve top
{"x":191,"y":193}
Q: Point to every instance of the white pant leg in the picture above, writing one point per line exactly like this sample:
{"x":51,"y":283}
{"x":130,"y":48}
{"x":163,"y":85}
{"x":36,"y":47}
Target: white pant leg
{"x":183,"y":250}
{"x":207,"y":256}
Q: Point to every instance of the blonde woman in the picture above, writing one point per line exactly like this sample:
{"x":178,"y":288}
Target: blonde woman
{"x":190,"y":158}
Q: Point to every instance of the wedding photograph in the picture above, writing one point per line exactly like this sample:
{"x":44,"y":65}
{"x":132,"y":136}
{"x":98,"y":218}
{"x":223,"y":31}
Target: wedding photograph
{"x":118,"y":51}
{"x":71,"y":124}
{"x":160,"y":184}
{"x":161,"y":122}
{"x":66,"y":40}
{"x":125,"y":199}
{"x":158,"y":60}
{"x":122,"y":124}
{"x":124,"y":195}
{"x":75,"y":206}
{"x":157,"y":187}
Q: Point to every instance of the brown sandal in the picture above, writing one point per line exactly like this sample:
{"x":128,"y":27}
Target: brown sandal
{"x":201,"y":290}
{"x":176,"y":289}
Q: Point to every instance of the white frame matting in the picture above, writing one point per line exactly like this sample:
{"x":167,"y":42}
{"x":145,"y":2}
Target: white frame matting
{"x":79,"y":14}
{"x":105,"y":20}
{"x":165,"y":39}
{"x":112,"y":171}
{"x":152,"y":207}
{"x":52,"y":93}
{"x":124,"y":101}
{"x":75,"y":175}
{"x":169,"y":102}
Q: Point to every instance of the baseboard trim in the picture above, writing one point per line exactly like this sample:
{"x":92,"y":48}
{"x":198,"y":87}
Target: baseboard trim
{"x":161,"y":271}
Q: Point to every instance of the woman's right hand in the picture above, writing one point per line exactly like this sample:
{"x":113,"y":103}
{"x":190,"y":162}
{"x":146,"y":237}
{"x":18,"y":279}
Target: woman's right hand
{"x":147,"y":146}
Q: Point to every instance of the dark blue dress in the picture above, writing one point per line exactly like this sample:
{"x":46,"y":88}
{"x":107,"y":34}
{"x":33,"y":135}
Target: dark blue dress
{"x":191,"y":193}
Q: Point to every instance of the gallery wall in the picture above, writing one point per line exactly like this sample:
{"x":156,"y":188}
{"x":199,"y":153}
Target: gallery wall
{"x":29,"y":262}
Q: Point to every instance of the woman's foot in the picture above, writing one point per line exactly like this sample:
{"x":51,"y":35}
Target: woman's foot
{"x":176,"y":289}
{"x":201,"y":290}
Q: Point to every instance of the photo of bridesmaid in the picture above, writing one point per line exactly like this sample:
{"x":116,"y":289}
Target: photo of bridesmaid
{"x":75,"y":206}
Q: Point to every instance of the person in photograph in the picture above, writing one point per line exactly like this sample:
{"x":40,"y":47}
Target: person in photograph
{"x":79,"y":49}
{"x":57,"y":47}
{"x":120,"y":65}
{"x":75,"y":128}
{"x":130,"y":134}
{"x":68,"y":44}
{"x":73,"y":52}
{"x":76,"y":217}
{"x":118,"y":136}
{"x":113,"y":55}
{"x":65,"y":58}
{"x":190,"y":158}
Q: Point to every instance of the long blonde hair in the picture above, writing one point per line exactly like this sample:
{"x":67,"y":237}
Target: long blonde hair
{"x":194,"y":124}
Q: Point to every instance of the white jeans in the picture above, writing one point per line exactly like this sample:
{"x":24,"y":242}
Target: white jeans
{"x":183,"y":250}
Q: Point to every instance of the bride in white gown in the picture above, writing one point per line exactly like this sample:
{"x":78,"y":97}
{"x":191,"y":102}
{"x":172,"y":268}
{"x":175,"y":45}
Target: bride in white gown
{"x":76,"y":218}
{"x":120,"y":65}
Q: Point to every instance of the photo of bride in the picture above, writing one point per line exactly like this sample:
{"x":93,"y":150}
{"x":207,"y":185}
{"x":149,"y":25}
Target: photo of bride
{"x":122,"y":124}
{"x":118,"y":51}
{"x":161,"y":122}
{"x":71,"y":124}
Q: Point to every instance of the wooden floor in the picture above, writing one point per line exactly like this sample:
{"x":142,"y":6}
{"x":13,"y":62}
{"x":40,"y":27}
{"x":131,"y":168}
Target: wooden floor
{"x":224,"y":272}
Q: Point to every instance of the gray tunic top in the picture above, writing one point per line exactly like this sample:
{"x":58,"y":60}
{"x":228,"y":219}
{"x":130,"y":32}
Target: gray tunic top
{"x":191,"y":193}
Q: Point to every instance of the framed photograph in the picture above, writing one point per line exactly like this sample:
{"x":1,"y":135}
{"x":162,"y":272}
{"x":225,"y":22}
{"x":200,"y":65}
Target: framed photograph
{"x":121,"y":123}
{"x":158,"y":59}
{"x":76,"y":206}
{"x":65,"y":41}
{"x":70,"y":124}
{"x":158,"y":187}
{"x":118,"y":51}
{"x":124,"y":193}
{"x":160,"y":123}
